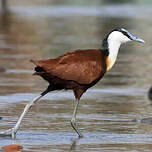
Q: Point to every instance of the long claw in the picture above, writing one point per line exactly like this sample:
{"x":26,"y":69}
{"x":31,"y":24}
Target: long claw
{"x":11,"y":132}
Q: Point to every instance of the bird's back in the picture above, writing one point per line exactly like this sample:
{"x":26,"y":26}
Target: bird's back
{"x":81,"y":66}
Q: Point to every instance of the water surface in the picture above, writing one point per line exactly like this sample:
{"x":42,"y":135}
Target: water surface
{"x":109,"y":114}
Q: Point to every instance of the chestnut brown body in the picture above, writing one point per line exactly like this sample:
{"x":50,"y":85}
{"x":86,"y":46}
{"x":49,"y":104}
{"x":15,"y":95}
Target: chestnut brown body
{"x":77,"y":70}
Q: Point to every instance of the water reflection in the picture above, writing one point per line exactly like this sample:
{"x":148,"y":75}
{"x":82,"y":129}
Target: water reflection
{"x":4,"y":6}
{"x":73,"y":145}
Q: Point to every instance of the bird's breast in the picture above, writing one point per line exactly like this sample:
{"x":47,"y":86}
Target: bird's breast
{"x":109,"y":63}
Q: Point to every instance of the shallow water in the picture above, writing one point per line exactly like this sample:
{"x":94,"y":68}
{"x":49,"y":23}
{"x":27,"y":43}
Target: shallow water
{"x":115,"y":115}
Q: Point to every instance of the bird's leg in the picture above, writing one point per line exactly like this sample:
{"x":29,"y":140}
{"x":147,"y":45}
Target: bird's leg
{"x":73,"y":120}
{"x":12,"y":132}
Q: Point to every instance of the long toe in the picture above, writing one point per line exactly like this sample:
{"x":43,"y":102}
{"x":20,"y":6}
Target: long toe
{"x":9,"y":132}
{"x":73,"y":124}
{"x":80,"y":135}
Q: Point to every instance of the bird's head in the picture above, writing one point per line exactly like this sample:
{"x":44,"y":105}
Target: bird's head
{"x":122,"y":35}
{"x":119,"y":36}
{"x":112,"y":42}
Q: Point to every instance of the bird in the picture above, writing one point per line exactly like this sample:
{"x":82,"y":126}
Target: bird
{"x":77,"y":70}
{"x":150,"y":93}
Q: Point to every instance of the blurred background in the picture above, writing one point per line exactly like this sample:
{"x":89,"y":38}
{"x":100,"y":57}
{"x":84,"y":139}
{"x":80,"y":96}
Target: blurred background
{"x":41,"y":29}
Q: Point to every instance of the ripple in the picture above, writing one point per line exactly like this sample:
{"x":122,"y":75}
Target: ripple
{"x":58,"y":138}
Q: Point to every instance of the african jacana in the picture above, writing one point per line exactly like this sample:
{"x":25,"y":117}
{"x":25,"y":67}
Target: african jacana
{"x":78,"y":70}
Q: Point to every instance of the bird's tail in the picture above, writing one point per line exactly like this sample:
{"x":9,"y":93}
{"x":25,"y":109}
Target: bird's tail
{"x":38,"y":69}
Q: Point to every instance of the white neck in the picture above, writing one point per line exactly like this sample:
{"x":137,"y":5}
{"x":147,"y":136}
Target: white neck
{"x":113,"y":52}
{"x":115,"y":39}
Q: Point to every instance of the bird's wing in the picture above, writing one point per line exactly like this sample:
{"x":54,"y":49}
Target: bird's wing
{"x":84,"y":67}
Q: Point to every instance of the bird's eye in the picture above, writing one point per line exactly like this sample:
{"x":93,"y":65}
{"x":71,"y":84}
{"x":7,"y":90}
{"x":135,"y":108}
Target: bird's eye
{"x":126,"y":34}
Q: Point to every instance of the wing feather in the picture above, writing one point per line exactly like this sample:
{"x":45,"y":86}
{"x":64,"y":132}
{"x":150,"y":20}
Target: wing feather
{"x":84,"y":67}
